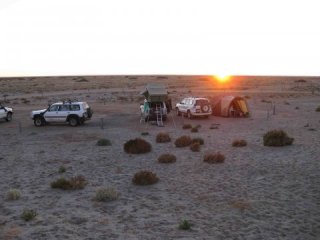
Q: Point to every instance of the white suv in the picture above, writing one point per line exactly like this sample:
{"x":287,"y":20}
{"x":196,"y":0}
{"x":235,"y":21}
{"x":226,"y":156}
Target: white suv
{"x":194,"y":106}
{"x":74,"y":113}
{"x":6,"y":113}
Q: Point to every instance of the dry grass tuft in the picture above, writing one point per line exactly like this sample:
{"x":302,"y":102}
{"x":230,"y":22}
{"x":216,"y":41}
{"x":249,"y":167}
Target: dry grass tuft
{"x":106,"y":194}
{"x":277,"y":138}
{"x":163,"y":138}
{"x":186,"y":126}
{"x":13,"y":194}
{"x":183,"y":141}
{"x":137,"y":146}
{"x":145,"y":178}
{"x":214,"y":158}
{"x":167,"y":158}
{"x":74,"y":183}
{"x":239,"y":143}
{"x":195,"y":147}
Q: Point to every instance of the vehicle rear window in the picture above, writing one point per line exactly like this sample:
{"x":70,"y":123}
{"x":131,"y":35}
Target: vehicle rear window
{"x":202,"y":102}
{"x":74,"y":107}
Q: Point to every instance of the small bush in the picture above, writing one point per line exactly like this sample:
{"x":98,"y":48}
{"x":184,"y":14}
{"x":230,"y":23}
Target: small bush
{"x":214,"y":158}
{"x":183,"y":141}
{"x":62,"y":169}
{"x":106,"y":194}
{"x":318,"y":109}
{"x":137,"y":146}
{"x":13,"y":194}
{"x":74,"y":183}
{"x":163,"y":138}
{"x":186,"y":126}
{"x":103,"y":142}
{"x":195,"y":147}
{"x":144,"y":133}
{"x":28,"y":214}
{"x":167,"y":158}
{"x":198,"y":140}
{"x":277,"y":138}
{"x":194,"y":129}
{"x":239,"y":143}
{"x":185,"y":225}
{"x":145,"y":178}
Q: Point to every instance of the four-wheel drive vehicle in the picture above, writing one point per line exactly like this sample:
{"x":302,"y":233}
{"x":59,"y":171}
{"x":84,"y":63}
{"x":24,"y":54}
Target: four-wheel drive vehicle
{"x":6,"y":113}
{"x":74,"y":113}
{"x":193,"y":106}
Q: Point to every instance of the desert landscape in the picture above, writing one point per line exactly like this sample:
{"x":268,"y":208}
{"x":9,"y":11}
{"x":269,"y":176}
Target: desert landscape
{"x":257,"y":192}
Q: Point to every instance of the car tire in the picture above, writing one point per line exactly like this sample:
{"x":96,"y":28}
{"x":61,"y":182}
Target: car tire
{"x":38,"y":121}
{"x":73,"y":121}
{"x":9,"y":117}
{"x":205,"y":108}
{"x":178,"y":112}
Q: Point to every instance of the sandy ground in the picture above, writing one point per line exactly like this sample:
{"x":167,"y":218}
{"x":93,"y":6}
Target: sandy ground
{"x":257,"y":193}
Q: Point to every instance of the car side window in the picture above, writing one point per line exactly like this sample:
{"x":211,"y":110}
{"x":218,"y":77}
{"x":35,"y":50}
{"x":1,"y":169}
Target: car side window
{"x":64,"y":108}
{"x":75,"y":108}
{"x":54,"y":108}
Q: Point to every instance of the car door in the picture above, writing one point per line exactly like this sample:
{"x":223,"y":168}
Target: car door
{"x":64,"y":111}
{"x":2,"y":112}
{"x":183,"y":105}
{"x":52,"y":114}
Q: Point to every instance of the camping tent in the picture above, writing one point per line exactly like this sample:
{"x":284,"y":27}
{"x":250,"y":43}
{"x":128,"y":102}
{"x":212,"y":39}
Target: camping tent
{"x":230,"y":106}
{"x":155,"y":93}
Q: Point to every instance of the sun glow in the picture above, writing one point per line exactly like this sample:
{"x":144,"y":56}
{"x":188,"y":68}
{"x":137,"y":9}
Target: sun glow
{"x":222,"y":78}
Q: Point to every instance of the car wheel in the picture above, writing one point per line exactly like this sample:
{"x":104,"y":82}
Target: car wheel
{"x":73,"y":121}
{"x":38,"y":121}
{"x":9,"y":117}
{"x":178,"y":112}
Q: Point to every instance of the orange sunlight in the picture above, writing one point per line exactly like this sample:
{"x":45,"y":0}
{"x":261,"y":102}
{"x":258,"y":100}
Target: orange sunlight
{"x":222,"y":78}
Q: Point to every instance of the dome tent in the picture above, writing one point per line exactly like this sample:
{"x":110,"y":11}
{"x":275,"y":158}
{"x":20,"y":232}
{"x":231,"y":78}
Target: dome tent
{"x":230,"y":106}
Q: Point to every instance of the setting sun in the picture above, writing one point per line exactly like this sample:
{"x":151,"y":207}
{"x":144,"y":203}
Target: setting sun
{"x":222,"y":78}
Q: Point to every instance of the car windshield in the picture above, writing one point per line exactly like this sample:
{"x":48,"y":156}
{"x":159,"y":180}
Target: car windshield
{"x":202,"y":101}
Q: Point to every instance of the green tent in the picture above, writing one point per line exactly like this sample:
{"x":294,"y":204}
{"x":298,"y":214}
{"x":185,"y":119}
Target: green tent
{"x":155,"y":93}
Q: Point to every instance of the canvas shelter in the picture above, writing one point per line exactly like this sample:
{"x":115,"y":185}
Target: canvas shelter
{"x":230,"y":106}
{"x":155,"y":93}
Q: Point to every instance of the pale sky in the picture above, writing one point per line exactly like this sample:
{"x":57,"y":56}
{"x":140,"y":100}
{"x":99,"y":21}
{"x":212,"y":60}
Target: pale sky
{"x":94,"y":37}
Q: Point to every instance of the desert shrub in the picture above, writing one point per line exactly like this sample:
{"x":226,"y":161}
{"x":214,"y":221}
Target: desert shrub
{"x":186,"y":126}
{"x":239,"y":143}
{"x":163,"y":138}
{"x":106,"y":194}
{"x":167,"y":158}
{"x":194,"y":129}
{"x":277,"y":138}
{"x":13,"y":194}
{"x":145,"y":178}
{"x":74,"y":183}
{"x":195,"y":147}
{"x":318,"y":109}
{"x":183,"y":141}
{"x":28,"y":214}
{"x":214,"y":158}
{"x":62,"y":169}
{"x":103,"y":142}
{"x":137,"y":146}
{"x":185,"y":225}
{"x":144,"y":133}
{"x":198,"y":140}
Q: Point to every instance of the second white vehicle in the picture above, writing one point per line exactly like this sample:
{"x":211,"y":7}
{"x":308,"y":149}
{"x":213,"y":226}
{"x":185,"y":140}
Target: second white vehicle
{"x":194,"y":106}
{"x":6,"y":113}
{"x":74,"y":113}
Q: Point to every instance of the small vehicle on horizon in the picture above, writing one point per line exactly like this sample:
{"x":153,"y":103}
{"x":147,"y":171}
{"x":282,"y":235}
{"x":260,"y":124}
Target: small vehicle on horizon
{"x":194,"y":107}
{"x":73,"y":113}
{"x":6,"y":113}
